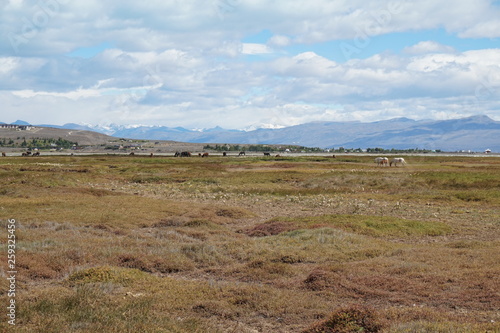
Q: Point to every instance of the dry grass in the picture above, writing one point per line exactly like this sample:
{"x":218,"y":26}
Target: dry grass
{"x":123,"y":244}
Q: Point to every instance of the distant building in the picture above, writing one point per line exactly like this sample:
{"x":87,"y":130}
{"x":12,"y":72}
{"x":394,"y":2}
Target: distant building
{"x":25,"y":127}
{"x":17,"y":127}
{"x":487,"y":151}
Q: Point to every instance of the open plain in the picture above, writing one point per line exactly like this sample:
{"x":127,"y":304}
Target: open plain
{"x":252,"y":244}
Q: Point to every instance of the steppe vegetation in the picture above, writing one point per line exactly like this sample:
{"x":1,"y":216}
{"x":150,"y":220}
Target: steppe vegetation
{"x":253,"y":244}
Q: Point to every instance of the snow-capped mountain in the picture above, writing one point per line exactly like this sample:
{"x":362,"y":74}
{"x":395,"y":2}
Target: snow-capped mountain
{"x":475,"y":133}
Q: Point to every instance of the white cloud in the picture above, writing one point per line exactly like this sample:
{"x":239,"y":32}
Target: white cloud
{"x":174,"y":87}
{"x":428,"y":47}
{"x":488,"y":29}
{"x":8,"y":64}
{"x":279,"y":41}
{"x":76,"y":94}
{"x":183,"y":63}
{"x":32,"y":29}
{"x":254,"y":48}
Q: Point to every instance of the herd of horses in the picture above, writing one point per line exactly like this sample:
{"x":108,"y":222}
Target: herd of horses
{"x":241,"y":153}
{"x":380,"y":161}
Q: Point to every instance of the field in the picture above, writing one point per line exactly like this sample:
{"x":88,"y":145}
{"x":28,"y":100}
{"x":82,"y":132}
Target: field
{"x":252,"y":244}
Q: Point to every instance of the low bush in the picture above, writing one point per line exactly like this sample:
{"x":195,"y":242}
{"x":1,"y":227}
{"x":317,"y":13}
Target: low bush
{"x":354,"y":318}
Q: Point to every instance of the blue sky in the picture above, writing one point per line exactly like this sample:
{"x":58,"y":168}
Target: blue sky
{"x":247,"y":64}
{"x":392,"y":42}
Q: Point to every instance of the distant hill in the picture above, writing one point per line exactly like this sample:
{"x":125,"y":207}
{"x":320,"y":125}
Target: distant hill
{"x":475,"y":133}
{"x":83,"y":138}
{"x":20,"y":122}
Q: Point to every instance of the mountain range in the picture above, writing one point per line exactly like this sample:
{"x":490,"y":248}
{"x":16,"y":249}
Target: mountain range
{"x":475,"y":133}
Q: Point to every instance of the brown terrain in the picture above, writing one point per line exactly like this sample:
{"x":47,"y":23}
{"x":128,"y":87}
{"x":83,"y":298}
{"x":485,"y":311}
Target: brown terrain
{"x":119,"y":243}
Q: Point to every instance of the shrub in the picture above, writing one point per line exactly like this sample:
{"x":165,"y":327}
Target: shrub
{"x":270,"y":229}
{"x":354,"y":318}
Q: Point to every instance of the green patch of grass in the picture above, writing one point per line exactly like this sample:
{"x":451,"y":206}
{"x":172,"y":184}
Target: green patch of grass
{"x":318,"y":246}
{"x":142,"y":179}
{"x":123,"y":276}
{"x":91,"y":308}
{"x":472,"y":196}
{"x":473,"y":179}
{"x":379,"y":226}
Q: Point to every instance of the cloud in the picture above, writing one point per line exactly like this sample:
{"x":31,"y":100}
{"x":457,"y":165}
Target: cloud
{"x":487,"y":29}
{"x":185,"y":63}
{"x":174,"y":87}
{"x":279,"y":41}
{"x":428,"y":47}
{"x":61,"y":26}
{"x":254,"y":48}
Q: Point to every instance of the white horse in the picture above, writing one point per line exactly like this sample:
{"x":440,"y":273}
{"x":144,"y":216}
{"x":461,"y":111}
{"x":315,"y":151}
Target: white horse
{"x":381,"y":161}
{"x":397,"y":160}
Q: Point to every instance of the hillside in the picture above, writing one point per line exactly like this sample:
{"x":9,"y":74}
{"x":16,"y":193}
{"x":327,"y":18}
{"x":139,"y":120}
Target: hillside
{"x":83,"y":138}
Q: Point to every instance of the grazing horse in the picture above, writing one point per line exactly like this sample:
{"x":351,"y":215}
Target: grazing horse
{"x":4,"y":154}
{"x":132,"y":154}
{"x":36,"y":154}
{"x":382,"y":161}
{"x":185,"y":154}
{"x":397,"y":160}
{"x":267,"y":154}
{"x":151,"y":155}
{"x":204,"y":155}
{"x":242,"y":153}
{"x":224,"y":153}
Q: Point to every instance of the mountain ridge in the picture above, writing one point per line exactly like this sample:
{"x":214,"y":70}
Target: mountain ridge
{"x":475,"y":133}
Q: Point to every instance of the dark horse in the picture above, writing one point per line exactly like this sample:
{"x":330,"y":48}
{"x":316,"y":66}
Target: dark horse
{"x":242,"y":153}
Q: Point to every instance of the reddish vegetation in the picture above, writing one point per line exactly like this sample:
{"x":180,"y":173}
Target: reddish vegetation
{"x":269,"y":229}
{"x":320,"y":279}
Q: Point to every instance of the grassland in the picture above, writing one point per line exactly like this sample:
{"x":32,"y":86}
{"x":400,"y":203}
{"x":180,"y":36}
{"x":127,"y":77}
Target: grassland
{"x":248,"y":244}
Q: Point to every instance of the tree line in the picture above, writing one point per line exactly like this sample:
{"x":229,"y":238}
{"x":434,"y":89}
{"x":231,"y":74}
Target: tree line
{"x":268,"y":148}
{"x":261,"y":148}
{"x":40,"y":143}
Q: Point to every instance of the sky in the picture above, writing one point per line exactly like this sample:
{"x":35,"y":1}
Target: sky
{"x":245,"y":64}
